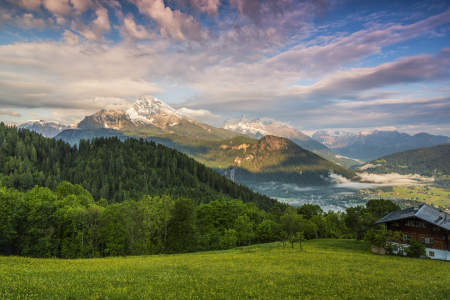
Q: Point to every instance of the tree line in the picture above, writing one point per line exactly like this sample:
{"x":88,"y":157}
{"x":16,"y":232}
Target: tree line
{"x":69,"y":223}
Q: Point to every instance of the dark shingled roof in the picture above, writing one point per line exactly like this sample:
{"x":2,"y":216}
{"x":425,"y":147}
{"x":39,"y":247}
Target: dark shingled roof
{"x":424,"y":212}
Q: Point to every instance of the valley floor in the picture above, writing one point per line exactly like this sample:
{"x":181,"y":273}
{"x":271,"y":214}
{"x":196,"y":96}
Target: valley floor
{"x":429,"y":195}
{"x":324,"y":269}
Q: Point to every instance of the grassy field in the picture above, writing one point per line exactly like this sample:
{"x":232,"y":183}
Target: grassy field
{"x":325,"y":269}
{"x":431,"y":196}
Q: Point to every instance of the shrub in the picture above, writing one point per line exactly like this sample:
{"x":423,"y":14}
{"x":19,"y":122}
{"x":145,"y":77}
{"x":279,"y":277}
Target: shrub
{"x":416,"y":249}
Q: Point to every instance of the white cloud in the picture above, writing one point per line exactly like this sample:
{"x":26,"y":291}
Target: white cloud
{"x":200,"y":114}
{"x":120,"y":87}
{"x":7,"y":112}
{"x":28,"y":21}
{"x":377,"y":180}
{"x":70,"y":38}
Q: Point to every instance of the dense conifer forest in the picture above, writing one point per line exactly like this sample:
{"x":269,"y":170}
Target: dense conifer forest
{"x":113,"y":170}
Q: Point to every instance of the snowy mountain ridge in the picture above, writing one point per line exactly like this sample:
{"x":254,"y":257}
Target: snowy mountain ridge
{"x":47,"y":129}
{"x":258,"y":127}
{"x":145,"y":107}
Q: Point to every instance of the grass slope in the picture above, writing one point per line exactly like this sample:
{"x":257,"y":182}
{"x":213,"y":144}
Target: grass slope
{"x":324,"y":269}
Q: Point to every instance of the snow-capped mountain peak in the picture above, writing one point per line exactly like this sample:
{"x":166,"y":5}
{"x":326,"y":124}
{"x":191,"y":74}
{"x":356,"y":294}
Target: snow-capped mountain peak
{"x":47,"y":129}
{"x":257,"y":127}
{"x":146,"y":107}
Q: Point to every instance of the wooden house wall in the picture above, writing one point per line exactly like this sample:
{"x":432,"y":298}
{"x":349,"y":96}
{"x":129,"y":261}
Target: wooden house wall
{"x":440,"y":238}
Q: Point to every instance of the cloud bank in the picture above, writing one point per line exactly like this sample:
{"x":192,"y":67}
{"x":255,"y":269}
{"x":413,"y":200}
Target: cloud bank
{"x":302,"y":62}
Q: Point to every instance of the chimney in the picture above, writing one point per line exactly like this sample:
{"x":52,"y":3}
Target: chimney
{"x":416,"y":208}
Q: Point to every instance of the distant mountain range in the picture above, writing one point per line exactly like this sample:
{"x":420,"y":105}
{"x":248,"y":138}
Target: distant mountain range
{"x":47,"y":129}
{"x":282,"y":153}
{"x":236,"y":154}
{"x":368,"y":145}
{"x":264,"y":126}
{"x":429,"y":161}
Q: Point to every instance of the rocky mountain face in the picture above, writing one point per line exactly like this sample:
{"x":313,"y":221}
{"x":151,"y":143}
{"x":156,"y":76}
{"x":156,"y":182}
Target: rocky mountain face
{"x":264,"y":126}
{"x":114,"y":119}
{"x":47,"y":129}
{"x":145,"y":117}
{"x":144,"y":112}
{"x":149,"y":115}
{"x":368,"y":145}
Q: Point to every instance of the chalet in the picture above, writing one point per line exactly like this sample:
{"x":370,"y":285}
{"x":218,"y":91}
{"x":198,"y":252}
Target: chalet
{"x":425,"y":224}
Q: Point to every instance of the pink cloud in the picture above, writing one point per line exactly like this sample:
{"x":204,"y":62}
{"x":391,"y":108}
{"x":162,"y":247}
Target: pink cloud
{"x":173,"y":24}
{"x":81,"y":5}
{"x":95,"y":30}
{"x":135,"y":32}
{"x":28,"y":21}
{"x":30,"y":5}
{"x":406,"y":70}
{"x":61,"y":7}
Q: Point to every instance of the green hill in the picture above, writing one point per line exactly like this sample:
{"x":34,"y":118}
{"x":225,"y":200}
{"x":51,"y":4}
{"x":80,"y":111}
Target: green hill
{"x":324,"y":269}
{"x":113,"y":169}
{"x":423,"y":161}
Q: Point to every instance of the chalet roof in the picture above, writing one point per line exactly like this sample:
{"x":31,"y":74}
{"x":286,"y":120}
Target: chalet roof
{"x":424,"y":212}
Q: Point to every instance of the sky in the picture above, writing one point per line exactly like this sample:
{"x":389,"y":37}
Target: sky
{"x":315,"y":64}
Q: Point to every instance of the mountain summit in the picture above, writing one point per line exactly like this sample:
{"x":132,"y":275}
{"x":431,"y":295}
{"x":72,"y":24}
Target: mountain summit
{"x":147,"y":113}
{"x":265,"y":126}
{"x":147,"y":116}
{"x":148,"y":107}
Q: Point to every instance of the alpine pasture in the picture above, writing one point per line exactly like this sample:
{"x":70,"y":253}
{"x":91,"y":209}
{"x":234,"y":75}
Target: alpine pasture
{"x":324,"y":269}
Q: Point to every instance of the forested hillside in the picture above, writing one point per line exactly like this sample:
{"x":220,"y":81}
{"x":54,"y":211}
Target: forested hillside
{"x":112,"y":169}
{"x":254,"y":161}
{"x":281,"y":160}
{"x":423,"y":161}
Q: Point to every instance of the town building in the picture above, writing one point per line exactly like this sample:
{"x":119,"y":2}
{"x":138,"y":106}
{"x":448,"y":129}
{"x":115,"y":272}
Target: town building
{"x":425,"y":224}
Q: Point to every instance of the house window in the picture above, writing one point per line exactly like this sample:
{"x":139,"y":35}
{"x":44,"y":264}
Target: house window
{"x":427,"y":240}
{"x":436,"y":228}
{"x":431,"y":254}
{"x":396,"y":224}
{"x":412,"y":223}
{"x":421,"y":224}
{"x":406,"y":237}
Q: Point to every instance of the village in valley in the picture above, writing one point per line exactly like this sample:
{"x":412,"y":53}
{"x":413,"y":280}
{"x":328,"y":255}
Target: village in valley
{"x":412,"y":195}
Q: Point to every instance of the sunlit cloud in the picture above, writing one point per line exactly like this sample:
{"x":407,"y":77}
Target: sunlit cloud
{"x":304,"y":62}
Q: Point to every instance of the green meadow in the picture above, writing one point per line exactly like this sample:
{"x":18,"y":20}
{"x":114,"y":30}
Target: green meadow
{"x":431,"y":196}
{"x":324,"y":269}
